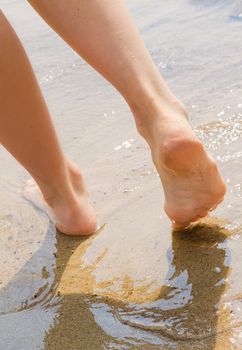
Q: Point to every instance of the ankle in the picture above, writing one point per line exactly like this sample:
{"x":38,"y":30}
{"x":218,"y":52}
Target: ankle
{"x":65,"y":189}
{"x":156,"y":109}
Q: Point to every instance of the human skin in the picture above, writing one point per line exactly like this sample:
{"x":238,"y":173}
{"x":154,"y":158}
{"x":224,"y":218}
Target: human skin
{"x":103,"y":33}
{"x":27,"y":132}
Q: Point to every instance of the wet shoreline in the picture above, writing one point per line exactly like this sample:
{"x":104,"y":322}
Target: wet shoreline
{"x":134,"y":284}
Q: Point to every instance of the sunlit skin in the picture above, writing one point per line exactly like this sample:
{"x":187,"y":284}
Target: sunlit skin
{"x":102,"y":33}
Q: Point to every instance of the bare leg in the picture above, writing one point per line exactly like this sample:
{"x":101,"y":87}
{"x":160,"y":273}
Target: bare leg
{"x":27,"y":132}
{"x":103,"y":33}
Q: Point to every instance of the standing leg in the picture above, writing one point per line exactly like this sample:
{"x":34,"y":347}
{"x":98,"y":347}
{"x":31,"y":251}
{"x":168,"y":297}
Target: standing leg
{"x":26,"y":131}
{"x":103,"y":33}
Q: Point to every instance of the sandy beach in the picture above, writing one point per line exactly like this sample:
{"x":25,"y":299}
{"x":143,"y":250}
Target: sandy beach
{"x":134,"y":284}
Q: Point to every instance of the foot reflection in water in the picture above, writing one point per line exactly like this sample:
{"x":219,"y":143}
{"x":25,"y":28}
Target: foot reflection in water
{"x":74,"y":327}
{"x":189,"y":309}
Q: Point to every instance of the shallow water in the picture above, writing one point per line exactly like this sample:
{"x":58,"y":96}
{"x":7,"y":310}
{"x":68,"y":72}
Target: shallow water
{"x":133,"y":285}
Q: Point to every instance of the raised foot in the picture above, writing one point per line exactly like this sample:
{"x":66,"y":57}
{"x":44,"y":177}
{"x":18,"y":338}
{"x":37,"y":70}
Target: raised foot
{"x":70,"y":209}
{"x":190,"y":177}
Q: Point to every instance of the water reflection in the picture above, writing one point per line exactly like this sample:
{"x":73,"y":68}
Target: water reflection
{"x":188,"y":308}
{"x":74,"y":327}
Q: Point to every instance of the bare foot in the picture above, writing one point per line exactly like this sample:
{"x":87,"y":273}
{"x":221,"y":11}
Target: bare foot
{"x":69,"y":207}
{"x":191,"y":181}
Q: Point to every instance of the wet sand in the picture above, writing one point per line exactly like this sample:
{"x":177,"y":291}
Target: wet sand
{"x":134,"y":284}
